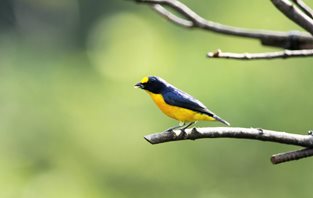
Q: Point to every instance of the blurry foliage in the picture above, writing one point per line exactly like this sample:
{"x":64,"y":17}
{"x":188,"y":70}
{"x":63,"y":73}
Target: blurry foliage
{"x":71,"y":124}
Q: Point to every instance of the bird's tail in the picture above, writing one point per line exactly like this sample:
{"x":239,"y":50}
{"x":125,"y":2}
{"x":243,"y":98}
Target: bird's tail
{"x":221,"y":120}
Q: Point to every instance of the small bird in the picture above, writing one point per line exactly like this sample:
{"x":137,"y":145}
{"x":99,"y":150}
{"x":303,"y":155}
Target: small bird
{"x":176,"y":103}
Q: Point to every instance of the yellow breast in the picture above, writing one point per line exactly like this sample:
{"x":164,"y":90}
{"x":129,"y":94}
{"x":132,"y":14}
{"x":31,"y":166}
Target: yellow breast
{"x":178,"y":113}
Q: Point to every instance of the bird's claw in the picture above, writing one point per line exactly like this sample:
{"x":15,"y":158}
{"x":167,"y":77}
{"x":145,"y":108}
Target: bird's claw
{"x":182,"y":134}
{"x":169,"y":131}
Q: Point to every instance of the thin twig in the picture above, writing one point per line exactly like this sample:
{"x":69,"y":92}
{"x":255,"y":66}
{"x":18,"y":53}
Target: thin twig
{"x":294,"y":14}
{"x":286,"y":40}
{"x":291,"y":155}
{"x":305,"y":8}
{"x":257,"y":56}
{"x":171,"y":17}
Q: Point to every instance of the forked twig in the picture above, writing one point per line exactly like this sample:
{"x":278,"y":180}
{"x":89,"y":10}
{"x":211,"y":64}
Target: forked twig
{"x":300,"y":42}
{"x":305,"y":8}
{"x":294,"y":14}
{"x":286,"y":40}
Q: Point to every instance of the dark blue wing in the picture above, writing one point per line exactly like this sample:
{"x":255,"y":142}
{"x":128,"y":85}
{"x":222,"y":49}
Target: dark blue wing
{"x":176,"y":97}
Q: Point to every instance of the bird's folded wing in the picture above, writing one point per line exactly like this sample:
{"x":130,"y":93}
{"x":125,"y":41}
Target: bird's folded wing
{"x":181,"y":99}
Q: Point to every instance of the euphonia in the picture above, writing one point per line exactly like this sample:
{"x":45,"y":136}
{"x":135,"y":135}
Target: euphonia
{"x":176,"y":103}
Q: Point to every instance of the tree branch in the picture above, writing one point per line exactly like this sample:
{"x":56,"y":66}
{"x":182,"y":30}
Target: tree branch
{"x":171,"y":17}
{"x":285,"y":40}
{"x":242,"y":133}
{"x":305,"y":8}
{"x":292,"y":155}
{"x":232,"y":132}
{"x":256,"y":56}
{"x":294,"y":14}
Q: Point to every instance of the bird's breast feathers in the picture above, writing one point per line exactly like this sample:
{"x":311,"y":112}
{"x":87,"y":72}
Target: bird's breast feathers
{"x":177,"y":112}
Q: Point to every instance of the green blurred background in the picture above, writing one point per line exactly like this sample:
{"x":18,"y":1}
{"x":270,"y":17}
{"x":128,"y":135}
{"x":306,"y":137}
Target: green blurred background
{"x":72,"y":126}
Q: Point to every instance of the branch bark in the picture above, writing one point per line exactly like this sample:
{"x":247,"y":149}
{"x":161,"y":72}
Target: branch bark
{"x":241,"y":133}
{"x":305,"y":8}
{"x":257,"y":56}
{"x":172,"y":17}
{"x":286,"y":40}
{"x":232,"y":132}
{"x":291,"y":155}
{"x":294,"y":14}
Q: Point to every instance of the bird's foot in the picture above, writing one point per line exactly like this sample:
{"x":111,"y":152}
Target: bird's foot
{"x":168,"y":131}
{"x":182,"y":134}
{"x":194,"y":134}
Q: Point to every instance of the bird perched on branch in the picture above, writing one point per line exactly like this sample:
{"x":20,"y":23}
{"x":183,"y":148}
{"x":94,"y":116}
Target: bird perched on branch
{"x":176,"y":103}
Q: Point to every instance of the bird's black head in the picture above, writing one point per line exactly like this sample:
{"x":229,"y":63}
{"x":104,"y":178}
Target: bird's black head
{"x":153,"y":84}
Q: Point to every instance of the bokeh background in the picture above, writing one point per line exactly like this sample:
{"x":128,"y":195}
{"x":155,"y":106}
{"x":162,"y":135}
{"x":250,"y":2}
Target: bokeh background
{"x":72,"y":125}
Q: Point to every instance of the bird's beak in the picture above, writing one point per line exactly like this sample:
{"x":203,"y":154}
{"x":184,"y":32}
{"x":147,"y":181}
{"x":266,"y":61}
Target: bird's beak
{"x":139,"y":85}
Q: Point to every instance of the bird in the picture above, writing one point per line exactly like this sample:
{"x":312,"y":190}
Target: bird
{"x":177,"y":104}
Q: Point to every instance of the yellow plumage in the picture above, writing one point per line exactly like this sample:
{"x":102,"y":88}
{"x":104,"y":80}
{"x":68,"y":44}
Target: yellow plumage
{"x":178,"y":113}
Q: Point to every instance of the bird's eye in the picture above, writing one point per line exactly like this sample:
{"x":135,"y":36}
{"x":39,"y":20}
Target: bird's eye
{"x":152,"y":79}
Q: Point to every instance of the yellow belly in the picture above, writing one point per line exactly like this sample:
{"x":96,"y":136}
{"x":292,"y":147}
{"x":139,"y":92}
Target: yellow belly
{"x":178,"y":113}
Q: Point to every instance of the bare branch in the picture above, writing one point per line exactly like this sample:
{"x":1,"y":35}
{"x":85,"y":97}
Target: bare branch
{"x":294,"y":14}
{"x":305,"y":8}
{"x":286,"y":40}
{"x":232,"y":132}
{"x":242,"y":133}
{"x":171,"y":17}
{"x":292,"y":155}
{"x":257,"y":56}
